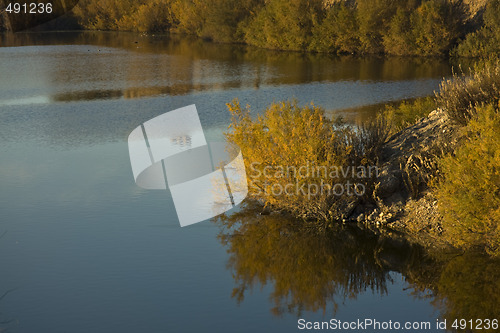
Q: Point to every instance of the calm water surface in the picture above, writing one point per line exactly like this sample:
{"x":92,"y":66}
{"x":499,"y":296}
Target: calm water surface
{"x":85,"y":250}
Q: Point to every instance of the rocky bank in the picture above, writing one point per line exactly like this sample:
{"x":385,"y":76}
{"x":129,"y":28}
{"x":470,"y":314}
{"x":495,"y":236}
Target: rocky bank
{"x":408,"y":164}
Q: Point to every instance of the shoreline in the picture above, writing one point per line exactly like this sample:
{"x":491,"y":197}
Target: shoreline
{"x":405,"y":202}
{"x":412,"y":216}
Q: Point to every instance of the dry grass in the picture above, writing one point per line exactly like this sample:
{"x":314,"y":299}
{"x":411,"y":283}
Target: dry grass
{"x":461,"y":95}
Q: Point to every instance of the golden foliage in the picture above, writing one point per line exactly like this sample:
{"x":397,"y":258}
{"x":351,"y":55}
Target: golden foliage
{"x":299,"y":160}
{"x":469,"y":194}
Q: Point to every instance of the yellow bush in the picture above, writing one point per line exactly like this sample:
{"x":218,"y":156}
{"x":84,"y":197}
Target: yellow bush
{"x":408,"y":112}
{"x":300,"y":161}
{"x":469,"y":194}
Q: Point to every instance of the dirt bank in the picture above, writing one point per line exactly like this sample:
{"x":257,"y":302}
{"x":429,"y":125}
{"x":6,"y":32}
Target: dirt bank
{"x":408,"y":164}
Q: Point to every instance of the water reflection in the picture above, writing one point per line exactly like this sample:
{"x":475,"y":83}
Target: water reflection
{"x":469,"y":287}
{"x":84,"y":88}
{"x":178,"y":65}
{"x":310,"y":271}
{"x":132,"y":92}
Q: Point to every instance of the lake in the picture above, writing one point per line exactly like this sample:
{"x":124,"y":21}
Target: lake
{"x":84,"y":249}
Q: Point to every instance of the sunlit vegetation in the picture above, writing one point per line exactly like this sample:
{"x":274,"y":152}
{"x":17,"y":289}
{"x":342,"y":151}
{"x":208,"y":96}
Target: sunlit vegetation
{"x":303,"y":162}
{"x":218,"y":20}
{"x":285,"y":25}
{"x":460,"y":95}
{"x":469,"y":193}
{"x":410,"y":27}
{"x":407,"y":113}
{"x":485,"y":42}
{"x":337,"y":32}
{"x":428,"y":29}
{"x":466,"y":179}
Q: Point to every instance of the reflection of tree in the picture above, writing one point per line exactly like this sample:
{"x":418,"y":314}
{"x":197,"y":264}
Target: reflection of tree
{"x":231,"y":66}
{"x":470,"y":288}
{"x":310,"y":271}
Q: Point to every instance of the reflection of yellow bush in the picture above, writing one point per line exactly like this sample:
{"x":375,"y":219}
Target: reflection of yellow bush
{"x":297,"y":150}
{"x":311,"y":271}
{"x":469,"y":194}
{"x":308,"y":271}
{"x":468,"y":286}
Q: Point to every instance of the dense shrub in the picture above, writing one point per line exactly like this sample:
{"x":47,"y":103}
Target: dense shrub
{"x":373,"y":19}
{"x":425,"y":30}
{"x":436,"y":26}
{"x":459,"y":96}
{"x":338,"y":32}
{"x":128,"y":15}
{"x":218,"y":20}
{"x":410,"y":27}
{"x":153,"y":16}
{"x":398,"y":39}
{"x":294,"y":156}
{"x":284,"y":24}
{"x":105,"y":14}
{"x":484,"y":42}
{"x":469,"y":194}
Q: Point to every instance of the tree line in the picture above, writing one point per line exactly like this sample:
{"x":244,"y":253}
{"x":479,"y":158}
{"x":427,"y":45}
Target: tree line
{"x":393,"y":27}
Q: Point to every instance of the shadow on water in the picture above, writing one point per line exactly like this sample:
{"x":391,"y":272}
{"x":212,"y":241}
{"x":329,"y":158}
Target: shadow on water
{"x":311,"y":271}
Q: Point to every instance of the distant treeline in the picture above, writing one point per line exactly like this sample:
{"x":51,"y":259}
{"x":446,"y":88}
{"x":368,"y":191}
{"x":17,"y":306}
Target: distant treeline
{"x":396,"y":27}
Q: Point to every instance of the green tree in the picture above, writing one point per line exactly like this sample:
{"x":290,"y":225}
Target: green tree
{"x":398,"y":39}
{"x":484,"y":42}
{"x":436,"y":26}
{"x":338,"y":32}
{"x":283,"y":24}
{"x":373,"y":19}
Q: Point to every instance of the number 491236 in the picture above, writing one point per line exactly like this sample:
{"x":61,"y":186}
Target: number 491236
{"x":29,"y":8}
{"x":478,"y":324}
